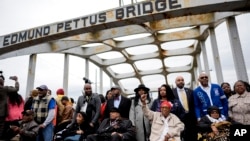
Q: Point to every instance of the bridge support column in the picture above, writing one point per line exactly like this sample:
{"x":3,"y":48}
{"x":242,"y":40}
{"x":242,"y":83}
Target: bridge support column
{"x":239,"y":62}
{"x":101,"y":81}
{"x":216,"y":56}
{"x":66,"y":73}
{"x":31,"y":74}
{"x":87,"y":68}
{"x":197,"y":69}
{"x":205,"y":58}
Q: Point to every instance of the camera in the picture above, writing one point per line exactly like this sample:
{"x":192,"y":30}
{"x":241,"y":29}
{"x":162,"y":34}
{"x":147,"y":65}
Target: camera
{"x":86,"y":80}
{"x":13,"y":78}
{"x":1,"y":75}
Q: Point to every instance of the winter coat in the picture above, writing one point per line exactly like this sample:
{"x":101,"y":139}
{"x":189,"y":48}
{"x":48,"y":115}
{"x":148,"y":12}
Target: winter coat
{"x":137,"y":117}
{"x":174,"y":124}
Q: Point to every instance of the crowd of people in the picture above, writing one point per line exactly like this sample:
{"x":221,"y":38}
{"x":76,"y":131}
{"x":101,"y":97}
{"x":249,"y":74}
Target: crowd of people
{"x":177,"y":114}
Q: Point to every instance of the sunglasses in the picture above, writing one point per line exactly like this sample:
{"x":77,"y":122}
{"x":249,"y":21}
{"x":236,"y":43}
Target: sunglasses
{"x":40,"y":89}
{"x":204,"y":77}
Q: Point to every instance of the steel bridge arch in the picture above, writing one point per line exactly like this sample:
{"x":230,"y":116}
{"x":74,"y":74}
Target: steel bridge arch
{"x":67,"y":38}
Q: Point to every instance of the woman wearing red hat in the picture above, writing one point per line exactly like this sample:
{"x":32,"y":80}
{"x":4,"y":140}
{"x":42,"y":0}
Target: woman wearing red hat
{"x":165,"y":125}
{"x":165,"y":93}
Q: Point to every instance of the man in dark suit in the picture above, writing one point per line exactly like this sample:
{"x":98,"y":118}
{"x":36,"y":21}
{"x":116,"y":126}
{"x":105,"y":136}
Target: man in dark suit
{"x":114,"y":128}
{"x":89,"y":103}
{"x":185,"y":96}
{"x":118,"y":101}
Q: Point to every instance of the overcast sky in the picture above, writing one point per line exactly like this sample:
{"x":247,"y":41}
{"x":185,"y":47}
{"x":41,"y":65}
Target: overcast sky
{"x":19,"y":15}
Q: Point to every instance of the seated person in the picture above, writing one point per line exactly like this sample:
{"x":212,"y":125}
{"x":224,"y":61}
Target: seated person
{"x":165,"y":125}
{"x":77,"y":131}
{"x":28,"y":129}
{"x":114,"y":128}
{"x":213,"y":124}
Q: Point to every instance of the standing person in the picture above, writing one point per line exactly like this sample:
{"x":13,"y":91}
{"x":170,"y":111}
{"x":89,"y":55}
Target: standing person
{"x":185,"y":96}
{"x":103,"y":105}
{"x":209,"y":94}
{"x":44,"y":108}
{"x":118,"y":101}
{"x":29,"y":101}
{"x":89,"y":103}
{"x":166,"y":93}
{"x":136,"y":115}
{"x":165,"y":125}
{"x":15,"y":108}
{"x":227,"y":89}
{"x":60,"y":106}
{"x":239,"y":104}
{"x":4,"y":90}
{"x":108,"y":95}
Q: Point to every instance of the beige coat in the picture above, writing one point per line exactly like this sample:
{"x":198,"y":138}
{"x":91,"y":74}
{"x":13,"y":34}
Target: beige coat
{"x":174,"y":123}
{"x":239,"y":109}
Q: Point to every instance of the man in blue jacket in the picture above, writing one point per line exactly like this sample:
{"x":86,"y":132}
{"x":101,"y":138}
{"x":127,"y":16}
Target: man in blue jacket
{"x":208,"y":94}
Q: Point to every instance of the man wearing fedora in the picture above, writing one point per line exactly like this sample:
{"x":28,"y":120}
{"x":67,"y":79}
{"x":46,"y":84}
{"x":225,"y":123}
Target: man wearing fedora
{"x":136,"y":115}
{"x":118,"y":101}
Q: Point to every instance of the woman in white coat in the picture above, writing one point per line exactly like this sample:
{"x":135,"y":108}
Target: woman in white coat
{"x":141,"y":123}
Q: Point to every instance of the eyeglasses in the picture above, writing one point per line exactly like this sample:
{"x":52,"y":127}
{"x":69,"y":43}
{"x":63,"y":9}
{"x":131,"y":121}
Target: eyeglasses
{"x":214,"y":112}
{"x":204,"y":77}
{"x":164,"y":107}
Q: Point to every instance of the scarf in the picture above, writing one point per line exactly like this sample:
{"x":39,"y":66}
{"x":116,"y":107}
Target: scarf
{"x":213,"y":120}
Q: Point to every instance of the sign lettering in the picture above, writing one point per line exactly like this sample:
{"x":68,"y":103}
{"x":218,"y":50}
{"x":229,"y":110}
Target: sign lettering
{"x":123,"y":13}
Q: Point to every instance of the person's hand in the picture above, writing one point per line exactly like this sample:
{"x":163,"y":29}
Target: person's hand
{"x":143,"y":99}
{"x":14,"y":128}
{"x":41,"y":126}
{"x":114,"y":133}
{"x":214,"y":129}
{"x":167,"y":136}
{"x":79,"y":132}
{"x":13,"y":78}
{"x":91,"y":124}
{"x":21,"y":131}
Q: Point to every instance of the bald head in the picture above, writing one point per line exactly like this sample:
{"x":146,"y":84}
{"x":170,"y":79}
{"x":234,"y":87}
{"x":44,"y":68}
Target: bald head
{"x":203,"y":79}
{"x":87,"y":89}
{"x":179,"y":81}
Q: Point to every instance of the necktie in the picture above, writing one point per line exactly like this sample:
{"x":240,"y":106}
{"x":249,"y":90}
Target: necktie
{"x":183,"y":97}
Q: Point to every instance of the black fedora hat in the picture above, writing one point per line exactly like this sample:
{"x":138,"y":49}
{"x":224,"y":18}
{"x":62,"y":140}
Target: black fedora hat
{"x":141,"y":86}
